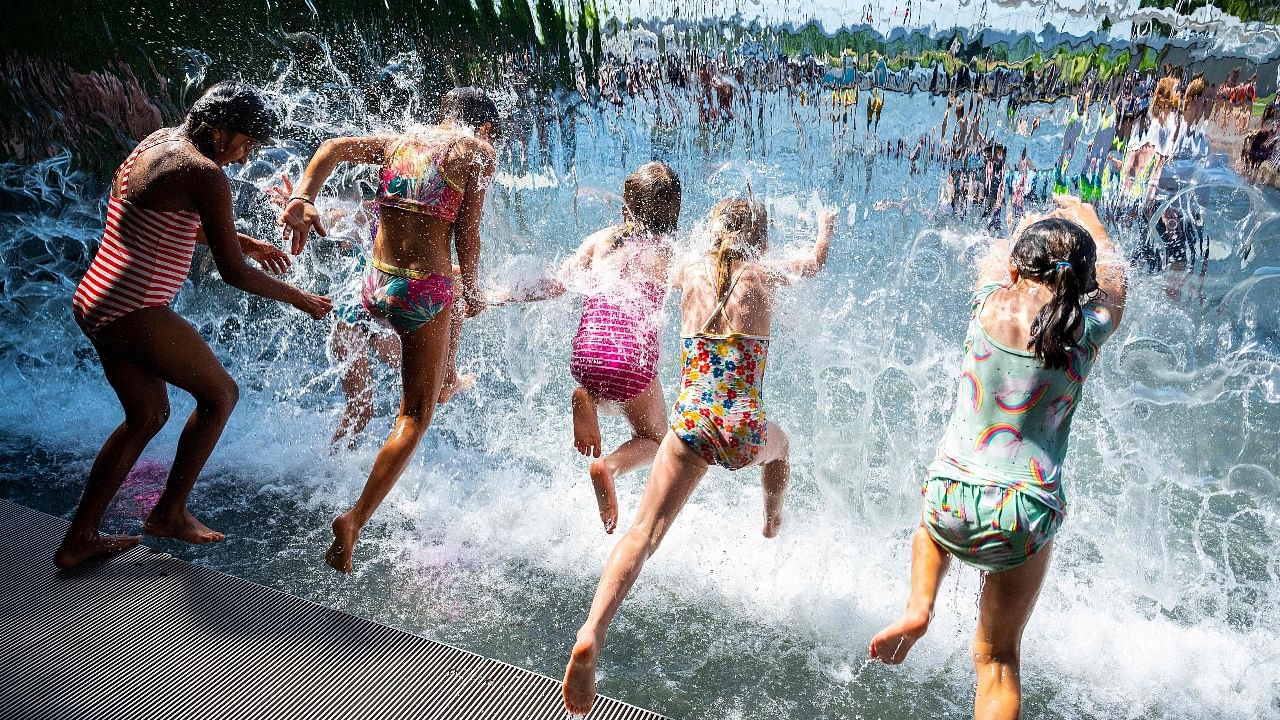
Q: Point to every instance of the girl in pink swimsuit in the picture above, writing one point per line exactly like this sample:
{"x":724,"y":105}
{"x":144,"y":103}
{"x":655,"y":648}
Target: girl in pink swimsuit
{"x":726,"y":312}
{"x":623,"y":269}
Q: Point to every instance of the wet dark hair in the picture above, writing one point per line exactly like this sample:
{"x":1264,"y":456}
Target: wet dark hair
{"x":1061,"y":254}
{"x":651,"y":197}
{"x":472,"y":107}
{"x":230,"y":106}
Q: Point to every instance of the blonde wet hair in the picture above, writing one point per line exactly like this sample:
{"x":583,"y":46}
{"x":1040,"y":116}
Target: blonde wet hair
{"x":739,"y":230}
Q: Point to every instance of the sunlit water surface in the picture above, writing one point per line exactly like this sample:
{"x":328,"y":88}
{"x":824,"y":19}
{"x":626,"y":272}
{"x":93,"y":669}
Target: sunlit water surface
{"x":1163,"y":598}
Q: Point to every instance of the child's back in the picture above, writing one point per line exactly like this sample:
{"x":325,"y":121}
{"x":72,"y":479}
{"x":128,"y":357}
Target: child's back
{"x":993,"y":496}
{"x":615,"y":351}
{"x":726,"y":311}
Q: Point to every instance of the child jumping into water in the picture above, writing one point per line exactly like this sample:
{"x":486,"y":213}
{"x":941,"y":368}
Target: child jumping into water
{"x":615,"y":351}
{"x":994,"y":496}
{"x":719,"y":417}
{"x":624,"y":268}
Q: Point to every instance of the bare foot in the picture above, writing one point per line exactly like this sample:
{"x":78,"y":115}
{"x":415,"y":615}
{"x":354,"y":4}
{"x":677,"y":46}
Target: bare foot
{"x":891,"y":645}
{"x":181,"y":526}
{"x":586,"y":424}
{"x":606,"y":497}
{"x":579,"y":686}
{"x":345,"y":535}
{"x":772,"y":525}
{"x":75,"y":549}
{"x":453,"y":385}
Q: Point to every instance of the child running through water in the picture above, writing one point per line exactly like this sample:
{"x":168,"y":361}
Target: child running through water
{"x":355,"y":332}
{"x":615,"y":351}
{"x":719,"y":417}
{"x":624,"y":270}
{"x":994,"y":495}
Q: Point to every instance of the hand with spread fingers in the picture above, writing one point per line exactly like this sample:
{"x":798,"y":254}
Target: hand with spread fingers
{"x":299,"y":216}
{"x":271,"y":258}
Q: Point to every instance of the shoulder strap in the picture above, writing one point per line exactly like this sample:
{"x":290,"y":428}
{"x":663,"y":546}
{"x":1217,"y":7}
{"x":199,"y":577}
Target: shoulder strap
{"x":444,"y":153}
{"x":126,"y":168}
{"x":982,"y":294}
{"x":719,"y":308}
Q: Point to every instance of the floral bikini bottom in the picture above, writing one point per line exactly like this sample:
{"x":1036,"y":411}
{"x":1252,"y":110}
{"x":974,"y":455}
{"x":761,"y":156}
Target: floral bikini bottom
{"x":404,"y":300}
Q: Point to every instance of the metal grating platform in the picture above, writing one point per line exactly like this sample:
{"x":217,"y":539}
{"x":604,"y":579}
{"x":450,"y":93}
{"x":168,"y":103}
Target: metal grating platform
{"x":144,"y":635}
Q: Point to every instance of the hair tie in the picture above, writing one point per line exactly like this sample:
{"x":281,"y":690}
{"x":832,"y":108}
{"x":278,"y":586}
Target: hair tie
{"x":1062,"y":264}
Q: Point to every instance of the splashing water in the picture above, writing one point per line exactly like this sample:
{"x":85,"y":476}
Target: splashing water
{"x":1164,"y":589}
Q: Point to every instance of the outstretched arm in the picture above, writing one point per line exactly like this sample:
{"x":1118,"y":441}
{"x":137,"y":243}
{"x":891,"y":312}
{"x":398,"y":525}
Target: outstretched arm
{"x":993,"y":267}
{"x":212,"y":197}
{"x":300,"y":216}
{"x":548,"y":288}
{"x":271,"y":258}
{"x":810,"y":265}
{"x":1112,"y":269}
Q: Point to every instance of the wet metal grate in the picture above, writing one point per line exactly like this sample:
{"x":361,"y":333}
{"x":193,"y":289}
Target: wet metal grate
{"x":144,"y":635}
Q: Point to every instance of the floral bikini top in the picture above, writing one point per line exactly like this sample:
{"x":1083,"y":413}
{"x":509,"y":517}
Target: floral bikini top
{"x":412,"y":180}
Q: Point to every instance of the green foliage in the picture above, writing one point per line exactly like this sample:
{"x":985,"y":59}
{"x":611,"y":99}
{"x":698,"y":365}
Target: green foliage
{"x":1267,"y":11}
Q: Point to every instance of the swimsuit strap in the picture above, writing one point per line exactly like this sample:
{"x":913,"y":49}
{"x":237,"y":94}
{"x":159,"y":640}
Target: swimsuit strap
{"x":127,"y":167}
{"x":719,"y":309}
{"x":440,"y":156}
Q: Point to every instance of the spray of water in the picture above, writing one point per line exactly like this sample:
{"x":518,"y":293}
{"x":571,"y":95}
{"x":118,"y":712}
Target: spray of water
{"x":1163,"y":594}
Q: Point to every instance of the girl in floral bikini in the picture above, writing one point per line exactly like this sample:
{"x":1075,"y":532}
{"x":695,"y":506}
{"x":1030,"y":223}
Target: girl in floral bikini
{"x":431,"y":196}
{"x":719,"y":418}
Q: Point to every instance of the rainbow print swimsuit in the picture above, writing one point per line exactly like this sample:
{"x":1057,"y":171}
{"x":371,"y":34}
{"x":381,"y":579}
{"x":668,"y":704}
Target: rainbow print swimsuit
{"x":994,"y":495}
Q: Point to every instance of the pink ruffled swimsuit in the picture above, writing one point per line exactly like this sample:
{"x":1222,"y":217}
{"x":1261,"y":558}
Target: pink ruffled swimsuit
{"x":615,"y":353}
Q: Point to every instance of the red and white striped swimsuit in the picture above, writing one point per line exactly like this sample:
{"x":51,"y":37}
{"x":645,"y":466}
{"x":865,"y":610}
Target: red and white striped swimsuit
{"x":144,"y":257}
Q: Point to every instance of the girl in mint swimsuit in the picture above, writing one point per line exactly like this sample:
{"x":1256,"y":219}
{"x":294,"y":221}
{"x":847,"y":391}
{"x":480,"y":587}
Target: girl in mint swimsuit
{"x":994,"y":496}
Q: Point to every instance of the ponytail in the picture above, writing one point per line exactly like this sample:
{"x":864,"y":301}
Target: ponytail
{"x":739,"y":228}
{"x":1054,"y":329}
{"x":725,"y":253}
{"x":1062,"y":255}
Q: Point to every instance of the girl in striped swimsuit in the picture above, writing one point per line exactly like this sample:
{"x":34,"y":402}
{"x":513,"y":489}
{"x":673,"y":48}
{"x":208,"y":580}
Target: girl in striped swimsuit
{"x":169,"y":194}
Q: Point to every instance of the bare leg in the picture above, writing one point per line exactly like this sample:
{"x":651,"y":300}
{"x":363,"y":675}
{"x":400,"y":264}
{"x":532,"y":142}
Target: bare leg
{"x":422,"y":372}
{"x":169,"y":348}
{"x":775,"y":473}
{"x":349,"y":342}
{"x":676,"y":472}
{"x":1008,"y":598}
{"x":928,"y":565}
{"x":647,"y":413}
{"x":146,"y":409}
{"x":179,"y":356}
{"x":453,"y":382}
{"x":586,"y":423}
